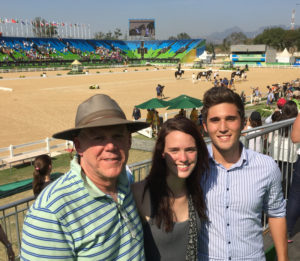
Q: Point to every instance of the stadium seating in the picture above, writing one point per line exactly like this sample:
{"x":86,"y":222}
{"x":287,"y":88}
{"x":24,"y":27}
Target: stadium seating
{"x":20,"y":48}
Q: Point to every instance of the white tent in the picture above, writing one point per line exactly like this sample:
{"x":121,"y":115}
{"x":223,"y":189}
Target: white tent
{"x":284,"y":57}
{"x":205,"y":57}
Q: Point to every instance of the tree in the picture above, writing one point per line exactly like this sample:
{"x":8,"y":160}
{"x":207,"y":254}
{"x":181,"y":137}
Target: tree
{"x":117,"y":33}
{"x":109,"y":36}
{"x":99,"y":35}
{"x":272,"y":36}
{"x":183,"y":36}
{"x":42,"y":28}
{"x":180,"y":36}
{"x":236,"y":38}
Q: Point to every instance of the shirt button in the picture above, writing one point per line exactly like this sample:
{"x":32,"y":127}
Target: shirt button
{"x":228,"y":225}
{"x":227,"y":206}
{"x":229,"y":242}
{"x":227,"y":189}
{"x":229,"y":258}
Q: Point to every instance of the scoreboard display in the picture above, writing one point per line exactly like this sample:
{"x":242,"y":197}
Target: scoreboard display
{"x":142,"y":27}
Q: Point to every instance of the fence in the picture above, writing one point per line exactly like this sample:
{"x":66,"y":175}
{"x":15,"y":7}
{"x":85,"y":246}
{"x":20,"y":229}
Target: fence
{"x":273,"y":140}
{"x":28,"y":151}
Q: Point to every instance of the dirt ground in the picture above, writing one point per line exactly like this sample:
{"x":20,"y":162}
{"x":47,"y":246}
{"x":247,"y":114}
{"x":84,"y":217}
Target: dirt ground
{"x":38,"y":107}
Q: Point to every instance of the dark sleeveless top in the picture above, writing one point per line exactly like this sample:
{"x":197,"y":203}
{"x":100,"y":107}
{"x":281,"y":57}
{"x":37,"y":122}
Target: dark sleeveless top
{"x":161,"y":245}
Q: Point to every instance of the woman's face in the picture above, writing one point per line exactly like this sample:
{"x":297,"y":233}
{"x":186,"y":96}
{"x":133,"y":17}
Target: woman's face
{"x":180,"y":154}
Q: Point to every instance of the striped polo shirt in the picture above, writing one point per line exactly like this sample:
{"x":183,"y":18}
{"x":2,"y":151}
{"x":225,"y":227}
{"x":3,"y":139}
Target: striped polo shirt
{"x":235,"y":200}
{"x":73,"y":220}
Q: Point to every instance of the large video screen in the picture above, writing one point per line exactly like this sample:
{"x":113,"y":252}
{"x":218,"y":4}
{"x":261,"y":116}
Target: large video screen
{"x":142,"y":27}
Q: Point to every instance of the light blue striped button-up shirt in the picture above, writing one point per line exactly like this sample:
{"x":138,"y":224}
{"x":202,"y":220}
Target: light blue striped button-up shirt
{"x":235,"y":199}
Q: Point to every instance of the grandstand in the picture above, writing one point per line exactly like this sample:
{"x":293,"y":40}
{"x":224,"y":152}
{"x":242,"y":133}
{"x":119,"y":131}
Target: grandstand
{"x":252,"y":55}
{"x":21,"y":51}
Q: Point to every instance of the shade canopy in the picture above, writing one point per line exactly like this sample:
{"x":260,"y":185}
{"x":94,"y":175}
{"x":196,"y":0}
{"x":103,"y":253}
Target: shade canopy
{"x":153,"y":104}
{"x":184,"y":102}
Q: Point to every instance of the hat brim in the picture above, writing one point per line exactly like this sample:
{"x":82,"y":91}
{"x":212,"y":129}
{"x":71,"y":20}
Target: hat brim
{"x":132,"y":126}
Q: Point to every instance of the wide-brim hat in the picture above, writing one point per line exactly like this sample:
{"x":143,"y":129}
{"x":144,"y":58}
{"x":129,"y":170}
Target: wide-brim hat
{"x":99,"y":111}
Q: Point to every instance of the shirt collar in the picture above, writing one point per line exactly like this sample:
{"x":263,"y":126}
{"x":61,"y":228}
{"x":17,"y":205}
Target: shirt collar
{"x":94,"y":191}
{"x":242,"y":160}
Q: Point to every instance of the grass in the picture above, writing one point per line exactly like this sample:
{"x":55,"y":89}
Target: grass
{"x":60,"y":163}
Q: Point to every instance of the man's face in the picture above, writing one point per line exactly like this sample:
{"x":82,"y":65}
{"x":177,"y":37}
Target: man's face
{"x":103,"y":151}
{"x":224,"y":127}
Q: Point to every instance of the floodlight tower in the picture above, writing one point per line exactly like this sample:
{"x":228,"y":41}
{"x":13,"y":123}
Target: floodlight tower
{"x":293,"y":20}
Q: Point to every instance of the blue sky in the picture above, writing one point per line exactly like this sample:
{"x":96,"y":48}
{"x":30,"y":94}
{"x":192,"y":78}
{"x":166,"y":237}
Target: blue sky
{"x":197,"y":18}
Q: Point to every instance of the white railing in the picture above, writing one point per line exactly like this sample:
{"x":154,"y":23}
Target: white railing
{"x":26,"y":151}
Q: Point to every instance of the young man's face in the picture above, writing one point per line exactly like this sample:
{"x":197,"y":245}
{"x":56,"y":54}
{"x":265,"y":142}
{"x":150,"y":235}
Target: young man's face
{"x":224,"y":127}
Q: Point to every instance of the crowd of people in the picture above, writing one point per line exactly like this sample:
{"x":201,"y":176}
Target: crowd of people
{"x":198,"y":202}
{"x":187,"y":208}
{"x":34,"y":51}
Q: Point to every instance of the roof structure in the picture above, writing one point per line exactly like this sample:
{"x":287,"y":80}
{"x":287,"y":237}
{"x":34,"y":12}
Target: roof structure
{"x":248,"y":48}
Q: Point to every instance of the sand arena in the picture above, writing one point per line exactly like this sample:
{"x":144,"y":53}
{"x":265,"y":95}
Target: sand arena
{"x":38,"y":107}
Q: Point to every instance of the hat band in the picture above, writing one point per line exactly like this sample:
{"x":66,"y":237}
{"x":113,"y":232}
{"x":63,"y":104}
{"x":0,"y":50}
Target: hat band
{"x":103,"y":114}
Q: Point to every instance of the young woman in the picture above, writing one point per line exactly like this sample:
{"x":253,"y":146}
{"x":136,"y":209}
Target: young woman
{"x":41,"y":174}
{"x":170,"y":200}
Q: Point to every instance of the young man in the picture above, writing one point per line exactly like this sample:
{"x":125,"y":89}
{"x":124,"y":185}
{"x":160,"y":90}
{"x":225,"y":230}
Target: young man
{"x":88,"y":213}
{"x":241,"y":184}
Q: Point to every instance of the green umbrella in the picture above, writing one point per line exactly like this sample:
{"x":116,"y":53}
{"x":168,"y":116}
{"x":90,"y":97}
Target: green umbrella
{"x":184,"y":102}
{"x":153,"y":104}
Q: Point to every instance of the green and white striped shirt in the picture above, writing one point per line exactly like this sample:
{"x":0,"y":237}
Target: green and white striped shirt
{"x":73,"y":220}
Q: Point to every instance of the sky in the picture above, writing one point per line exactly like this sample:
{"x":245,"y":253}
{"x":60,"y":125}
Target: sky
{"x":196,"y":17}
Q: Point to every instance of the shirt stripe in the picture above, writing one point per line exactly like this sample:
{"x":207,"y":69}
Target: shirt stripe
{"x":73,"y":220}
{"x":235,"y":200}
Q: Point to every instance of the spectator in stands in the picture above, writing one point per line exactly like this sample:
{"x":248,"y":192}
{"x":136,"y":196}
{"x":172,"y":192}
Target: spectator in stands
{"x":7,"y":244}
{"x":257,"y":95}
{"x":293,"y":205}
{"x":285,"y":153}
{"x":253,"y":122}
{"x":243,"y":97}
{"x":136,"y":114}
{"x":155,"y":122}
{"x":270,"y":96}
{"x":193,"y":77}
{"x":89,"y":212}
{"x":241,"y":184}
{"x":41,"y":174}
{"x":194,"y":115}
{"x":296,"y":99}
{"x":149,"y":117}
{"x":181,"y":113}
{"x":170,"y":200}
{"x":280,"y":103}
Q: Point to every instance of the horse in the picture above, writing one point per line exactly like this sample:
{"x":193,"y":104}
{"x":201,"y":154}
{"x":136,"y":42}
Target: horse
{"x":179,"y":73}
{"x":240,"y":73}
{"x":206,"y":74}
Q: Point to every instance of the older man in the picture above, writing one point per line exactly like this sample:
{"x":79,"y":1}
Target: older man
{"x":89,"y":213}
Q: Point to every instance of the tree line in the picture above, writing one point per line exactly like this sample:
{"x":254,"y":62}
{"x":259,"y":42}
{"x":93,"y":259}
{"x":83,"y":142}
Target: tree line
{"x":275,"y":37}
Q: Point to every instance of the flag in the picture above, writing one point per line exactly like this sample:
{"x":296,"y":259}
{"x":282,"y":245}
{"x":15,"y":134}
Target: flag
{"x":23,"y":23}
{"x":13,"y":21}
{"x":41,"y":24}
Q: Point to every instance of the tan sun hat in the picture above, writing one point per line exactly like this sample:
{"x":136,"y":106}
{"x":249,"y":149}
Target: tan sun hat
{"x":99,"y":111}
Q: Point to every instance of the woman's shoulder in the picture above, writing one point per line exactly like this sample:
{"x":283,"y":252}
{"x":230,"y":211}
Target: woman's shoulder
{"x":141,"y":198}
{"x":137,"y":189}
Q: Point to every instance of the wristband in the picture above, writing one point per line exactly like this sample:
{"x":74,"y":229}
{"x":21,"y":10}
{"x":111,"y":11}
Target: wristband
{"x":8,"y":245}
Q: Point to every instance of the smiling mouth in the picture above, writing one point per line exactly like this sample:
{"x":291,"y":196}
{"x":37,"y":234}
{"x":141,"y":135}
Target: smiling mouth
{"x":183,"y":167}
{"x":224,"y":138}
